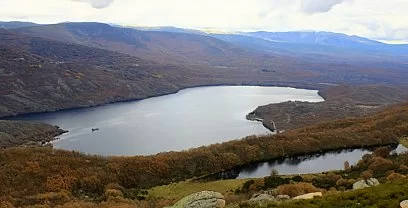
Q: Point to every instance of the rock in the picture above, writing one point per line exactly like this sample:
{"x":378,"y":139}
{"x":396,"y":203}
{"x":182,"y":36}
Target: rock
{"x":404,"y":204}
{"x":365,"y":184}
{"x":360,"y":185}
{"x":282,"y":197}
{"x":309,"y":195}
{"x":262,"y":198}
{"x":373,"y":182}
{"x":204,"y":199}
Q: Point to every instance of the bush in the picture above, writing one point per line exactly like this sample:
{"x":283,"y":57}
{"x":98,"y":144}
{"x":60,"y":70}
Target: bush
{"x":246,"y":185}
{"x":273,"y":182}
{"x":379,"y":166}
{"x":326,"y":181}
{"x":395,"y":177}
{"x":297,"y":179}
{"x":366,"y":174}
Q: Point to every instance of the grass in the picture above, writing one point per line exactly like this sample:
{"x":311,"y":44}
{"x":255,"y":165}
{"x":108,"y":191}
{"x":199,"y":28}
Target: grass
{"x":176,"y":191}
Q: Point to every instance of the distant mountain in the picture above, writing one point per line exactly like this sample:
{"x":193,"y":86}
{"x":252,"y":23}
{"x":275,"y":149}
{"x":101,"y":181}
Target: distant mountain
{"x":169,"y":29}
{"x":16,"y":24}
{"x":321,"y":38}
{"x":319,"y":46}
{"x":165,"y":47}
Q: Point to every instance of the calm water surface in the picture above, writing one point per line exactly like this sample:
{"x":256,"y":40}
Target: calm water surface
{"x":309,"y":164}
{"x":189,"y":118}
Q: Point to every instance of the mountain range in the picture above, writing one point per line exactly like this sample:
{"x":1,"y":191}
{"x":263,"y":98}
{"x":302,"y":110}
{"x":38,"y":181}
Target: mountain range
{"x":69,"y":65}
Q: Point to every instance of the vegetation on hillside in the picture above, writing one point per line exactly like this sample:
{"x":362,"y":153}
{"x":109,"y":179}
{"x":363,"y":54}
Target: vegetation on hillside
{"x":36,"y":175}
{"x":343,"y":101}
{"x":17,"y":133}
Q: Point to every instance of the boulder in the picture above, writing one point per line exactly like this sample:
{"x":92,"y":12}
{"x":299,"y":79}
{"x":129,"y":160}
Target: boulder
{"x":282,"y":197}
{"x":204,"y":199}
{"x":360,"y":185}
{"x":365,"y":184}
{"x":404,"y":204}
{"x":373,"y":182}
{"x":309,"y":195}
{"x":262,"y":198}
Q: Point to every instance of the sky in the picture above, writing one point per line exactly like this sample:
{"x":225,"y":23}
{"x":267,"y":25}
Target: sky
{"x":375,"y":19}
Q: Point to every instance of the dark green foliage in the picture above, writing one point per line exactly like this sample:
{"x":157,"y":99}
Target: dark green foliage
{"x":297,"y":178}
{"x":326,"y":181}
{"x":273,"y":182}
{"x":246,"y":185}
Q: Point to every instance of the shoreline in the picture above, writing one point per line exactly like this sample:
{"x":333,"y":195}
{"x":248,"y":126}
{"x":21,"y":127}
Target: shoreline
{"x":233,"y":173}
{"x":304,"y":86}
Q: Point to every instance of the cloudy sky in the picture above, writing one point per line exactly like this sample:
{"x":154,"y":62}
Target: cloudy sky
{"x":377,"y":19}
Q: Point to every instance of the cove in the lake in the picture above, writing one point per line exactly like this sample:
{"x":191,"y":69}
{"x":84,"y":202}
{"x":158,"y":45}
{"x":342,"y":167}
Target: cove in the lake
{"x":190,"y":118}
{"x":314,"y":163}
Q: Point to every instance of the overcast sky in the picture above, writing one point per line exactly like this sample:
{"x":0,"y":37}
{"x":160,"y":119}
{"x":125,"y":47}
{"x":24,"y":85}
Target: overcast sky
{"x":377,"y":19}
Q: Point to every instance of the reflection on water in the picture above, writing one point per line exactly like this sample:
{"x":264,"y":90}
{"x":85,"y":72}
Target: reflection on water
{"x":316,"y":163}
{"x":189,"y":118}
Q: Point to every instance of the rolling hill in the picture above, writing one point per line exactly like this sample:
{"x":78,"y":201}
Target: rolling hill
{"x":164,"y":47}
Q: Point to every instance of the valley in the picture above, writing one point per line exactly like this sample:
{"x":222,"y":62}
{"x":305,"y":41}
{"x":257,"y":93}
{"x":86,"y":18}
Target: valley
{"x":73,"y":74}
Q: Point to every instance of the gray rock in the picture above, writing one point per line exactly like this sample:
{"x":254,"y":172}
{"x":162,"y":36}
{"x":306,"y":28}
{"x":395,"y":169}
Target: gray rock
{"x":282,"y":197}
{"x":204,"y":199}
{"x":365,"y":184}
{"x":262,"y":198}
{"x":373,"y":182}
{"x":404,"y":204}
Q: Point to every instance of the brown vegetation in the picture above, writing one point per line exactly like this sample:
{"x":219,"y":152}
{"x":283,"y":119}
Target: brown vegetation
{"x":16,"y":133}
{"x":342,"y":101}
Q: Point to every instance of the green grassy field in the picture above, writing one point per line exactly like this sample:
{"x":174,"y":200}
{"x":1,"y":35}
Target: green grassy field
{"x":179,"y":190}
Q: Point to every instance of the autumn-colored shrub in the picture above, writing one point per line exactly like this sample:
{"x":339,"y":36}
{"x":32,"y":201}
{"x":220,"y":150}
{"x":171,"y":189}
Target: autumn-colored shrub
{"x":395,"y":176}
{"x":379,"y":165}
{"x":297,"y":189}
{"x":366,"y":174}
{"x":383,"y":152}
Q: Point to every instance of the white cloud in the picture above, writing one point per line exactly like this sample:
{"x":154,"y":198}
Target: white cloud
{"x":319,"y":6}
{"x":98,"y":4}
{"x":377,"y":19}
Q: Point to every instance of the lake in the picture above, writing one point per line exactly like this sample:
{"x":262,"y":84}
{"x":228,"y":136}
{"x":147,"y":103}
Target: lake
{"x":316,"y":163}
{"x":190,"y":118}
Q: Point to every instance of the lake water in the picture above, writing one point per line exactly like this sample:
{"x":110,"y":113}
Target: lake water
{"x":316,"y":163}
{"x":190,"y":118}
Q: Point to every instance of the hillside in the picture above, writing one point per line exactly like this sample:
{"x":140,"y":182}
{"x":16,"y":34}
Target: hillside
{"x":86,"y":64}
{"x":340,"y":102}
{"x":17,"y":133}
{"x":169,"y":47}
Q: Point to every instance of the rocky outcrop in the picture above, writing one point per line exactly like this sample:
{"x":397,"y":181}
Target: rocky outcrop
{"x":309,"y":195}
{"x":365,"y":184}
{"x":282,"y":197}
{"x":404,"y":204}
{"x":204,"y":199}
{"x":262,"y":198}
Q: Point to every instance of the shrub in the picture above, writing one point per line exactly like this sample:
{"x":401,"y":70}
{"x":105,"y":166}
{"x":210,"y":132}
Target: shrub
{"x":366,"y":174}
{"x":246,"y":185}
{"x":383,"y":152}
{"x":273,"y":182}
{"x":395,"y":177}
{"x":297,"y":178}
{"x":326,"y":181}
{"x":379,"y":166}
